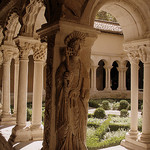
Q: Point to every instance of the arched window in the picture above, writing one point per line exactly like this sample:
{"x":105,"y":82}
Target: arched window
{"x":100,"y":76}
{"x":114,"y":76}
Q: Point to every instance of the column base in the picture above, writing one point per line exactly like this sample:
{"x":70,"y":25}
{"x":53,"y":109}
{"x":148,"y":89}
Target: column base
{"x":133,"y":144}
{"x":132,"y":134}
{"x":7,"y":120}
{"x":37,"y":132}
{"x":20,"y":134}
{"x":145,"y":138}
{"x":107,"y":89}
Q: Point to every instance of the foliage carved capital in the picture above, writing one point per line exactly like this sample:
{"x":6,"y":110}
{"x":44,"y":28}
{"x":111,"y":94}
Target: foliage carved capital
{"x":39,"y":51}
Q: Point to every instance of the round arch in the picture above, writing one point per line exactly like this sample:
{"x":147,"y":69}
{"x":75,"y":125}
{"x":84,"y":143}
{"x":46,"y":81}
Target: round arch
{"x":129,"y":14}
{"x":100,"y":75}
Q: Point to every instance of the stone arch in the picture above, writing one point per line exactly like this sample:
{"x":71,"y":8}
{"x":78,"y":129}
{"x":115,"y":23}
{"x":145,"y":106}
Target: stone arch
{"x":129,"y":14}
{"x":101,"y":75}
{"x":29,"y":19}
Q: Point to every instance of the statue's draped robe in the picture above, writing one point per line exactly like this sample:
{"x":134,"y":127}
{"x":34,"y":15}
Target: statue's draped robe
{"x":71,"y":108}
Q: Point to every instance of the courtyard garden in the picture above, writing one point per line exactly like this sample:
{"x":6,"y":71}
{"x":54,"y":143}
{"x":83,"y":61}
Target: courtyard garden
{"x":105,"y":130}
{"x":108,"y":121}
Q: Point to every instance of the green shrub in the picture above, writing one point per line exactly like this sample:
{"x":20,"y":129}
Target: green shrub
{"x":115,"y":127}
{"x":103,"y":129}
{"x":124,"y":113}
{"x":99,"y":113}
{"x":93,"y":103}
{"x":116,"y":106}
{"x":129,"y":108}
{"x":123,"y":105}
{"x":29,"y":114}
{"x":90,"y":115}
{"x":105,"y":105}
{"x":94,"y":122}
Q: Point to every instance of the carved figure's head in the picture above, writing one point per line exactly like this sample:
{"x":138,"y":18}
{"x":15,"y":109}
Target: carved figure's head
{"x":73,"y":42}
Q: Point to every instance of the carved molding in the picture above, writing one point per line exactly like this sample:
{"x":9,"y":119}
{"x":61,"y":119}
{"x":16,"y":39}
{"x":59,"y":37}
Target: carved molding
{"x":39,"y":51}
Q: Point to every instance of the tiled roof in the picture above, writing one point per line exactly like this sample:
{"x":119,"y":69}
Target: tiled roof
{"x":107,"y":26}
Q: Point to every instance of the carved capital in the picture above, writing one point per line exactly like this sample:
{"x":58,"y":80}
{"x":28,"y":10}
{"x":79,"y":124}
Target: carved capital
{"x":134,"y":56}
{"x":108,"y":67}
{"x":9,"y":52}
{"x":39,"y":51}
{"x":138,"y":50}
{"x":24,"y":48}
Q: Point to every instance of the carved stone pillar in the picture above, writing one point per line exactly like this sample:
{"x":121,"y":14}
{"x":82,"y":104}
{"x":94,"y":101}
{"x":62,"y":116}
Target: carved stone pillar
{"x":94,"y":78}
{"x":108,"y":80}
{"x":39,"y":57}
{"x":134,"y":97}
{"x":66,"y":70}
{"x":122,"y":78}
{"x":139,"y":50}
{"x":6,"y":117}
{"x":20,"y":132}
{"x":16,"y":79}
{"x":145,"y":57}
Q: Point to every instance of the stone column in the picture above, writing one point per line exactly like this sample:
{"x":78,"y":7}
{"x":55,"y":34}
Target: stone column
{"x":145,"y":136}
{"x":108,"y":78}
{"x":16,"y":78}
{"x":20,"y":132}
{"x":122,"y":78}
{"x":134,"y":99}
{"x":94,"y":78}
{"x":6,"y":117}
{"x":39,"y":57}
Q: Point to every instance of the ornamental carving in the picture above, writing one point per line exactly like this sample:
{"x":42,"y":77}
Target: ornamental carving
{"x":39,"y":52}
{"x":24,"y":49}
{"x":48,"y":101}
{"x":72,"y":93}
{"x":7,"y":56}
{"x":138,"y":50}
{"x":134,"y":56}
{"x":8,"y":52}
